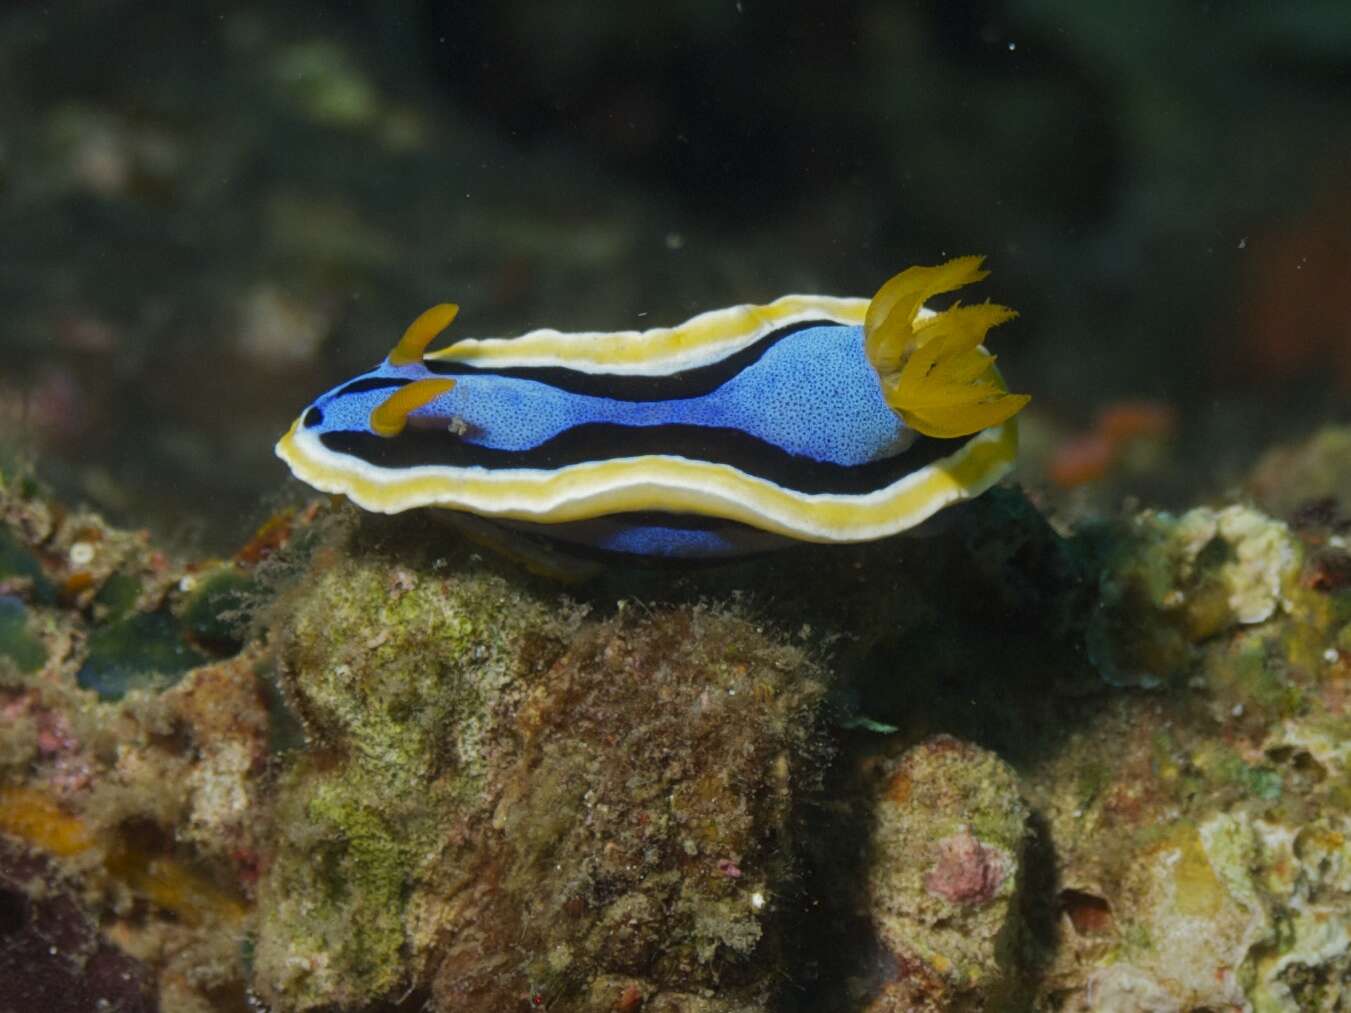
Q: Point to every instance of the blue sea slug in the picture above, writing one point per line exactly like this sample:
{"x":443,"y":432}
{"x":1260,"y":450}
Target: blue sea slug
{"x":811,"y":418}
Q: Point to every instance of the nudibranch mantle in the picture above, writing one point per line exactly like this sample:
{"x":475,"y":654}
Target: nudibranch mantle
{"x":811,"y":418}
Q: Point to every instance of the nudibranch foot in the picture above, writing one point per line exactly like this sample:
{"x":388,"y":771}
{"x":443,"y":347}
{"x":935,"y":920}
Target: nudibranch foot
{"x":653,"y":534}
{"x":811,"y":418}
{"x":539,"y":556}
{"x":577,"y":551}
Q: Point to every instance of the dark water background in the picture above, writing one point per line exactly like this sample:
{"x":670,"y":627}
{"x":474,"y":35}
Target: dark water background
{"x":211,"y":212}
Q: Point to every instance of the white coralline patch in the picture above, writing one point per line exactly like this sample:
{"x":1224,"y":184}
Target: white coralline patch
{"x":221,"y":789}
{"x":1325,"y":743}
{"x":1122,"y":988}
{"x":1239,"y":913}
{"x":1307,"y":871}
{"x":1267,"y":557}
{"x":1262,"y":556}
{"x":1204,"y":914}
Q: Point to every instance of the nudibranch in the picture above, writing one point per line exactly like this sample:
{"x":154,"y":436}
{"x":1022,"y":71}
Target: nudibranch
{"x":811,"y":418}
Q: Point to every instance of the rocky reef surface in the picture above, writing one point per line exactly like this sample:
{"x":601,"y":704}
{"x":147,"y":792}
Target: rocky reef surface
{"x":999,"y":765}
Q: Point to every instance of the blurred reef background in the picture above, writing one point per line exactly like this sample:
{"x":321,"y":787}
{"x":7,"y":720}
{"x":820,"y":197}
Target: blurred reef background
{"x":1082,"y":745}
{"x":209,"y":214}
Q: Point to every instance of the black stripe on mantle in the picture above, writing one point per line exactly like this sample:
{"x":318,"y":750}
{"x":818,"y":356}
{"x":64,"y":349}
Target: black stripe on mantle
{"x":695,"y":382}
{"x":605,"y":441}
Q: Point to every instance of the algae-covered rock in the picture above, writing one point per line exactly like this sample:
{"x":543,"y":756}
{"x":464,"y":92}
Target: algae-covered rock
{"x":222,"y":709}
{"x":395,"y":675}
{"x":504,"y":800}
{"x":1306,"y":871}
{"x":945,"y":875}
{"x":1179,"y":818}
{"x":393,"y":774}
{"x":660,"y":764}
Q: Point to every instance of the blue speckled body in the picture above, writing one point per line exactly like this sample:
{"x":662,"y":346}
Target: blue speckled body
{"x":813,"y":393}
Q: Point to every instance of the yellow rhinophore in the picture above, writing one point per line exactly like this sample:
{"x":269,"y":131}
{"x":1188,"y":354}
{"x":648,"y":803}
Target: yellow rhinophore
{"x":421,"y":332}
{"x":390,"y":416}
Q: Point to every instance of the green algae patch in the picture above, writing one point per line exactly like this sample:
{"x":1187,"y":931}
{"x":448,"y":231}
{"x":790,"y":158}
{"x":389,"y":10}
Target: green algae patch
{"x":1219,"y":767}
{"x":396,"y":666}
{"x":343,"y":906}
{"x":1252,"y":671}
{"x":117,"y":597}
{"x":25,"y":650}
{"x":215,"y":609}
{"x":143,"y":651}
{"x":17,"y":562}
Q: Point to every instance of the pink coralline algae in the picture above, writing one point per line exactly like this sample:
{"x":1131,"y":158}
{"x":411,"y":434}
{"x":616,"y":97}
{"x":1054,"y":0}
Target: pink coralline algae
{"x":967,"y":872}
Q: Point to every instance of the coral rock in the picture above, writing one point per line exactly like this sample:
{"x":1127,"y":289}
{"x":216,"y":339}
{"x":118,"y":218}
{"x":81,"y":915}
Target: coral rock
{"x":507,"y":804}
{"x":947,"y":849}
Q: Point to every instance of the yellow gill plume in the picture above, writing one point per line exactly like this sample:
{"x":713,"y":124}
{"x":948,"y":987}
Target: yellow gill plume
{"x":421,"y":332}
{"x":934,"y":372}
{"x":390,"y":416}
